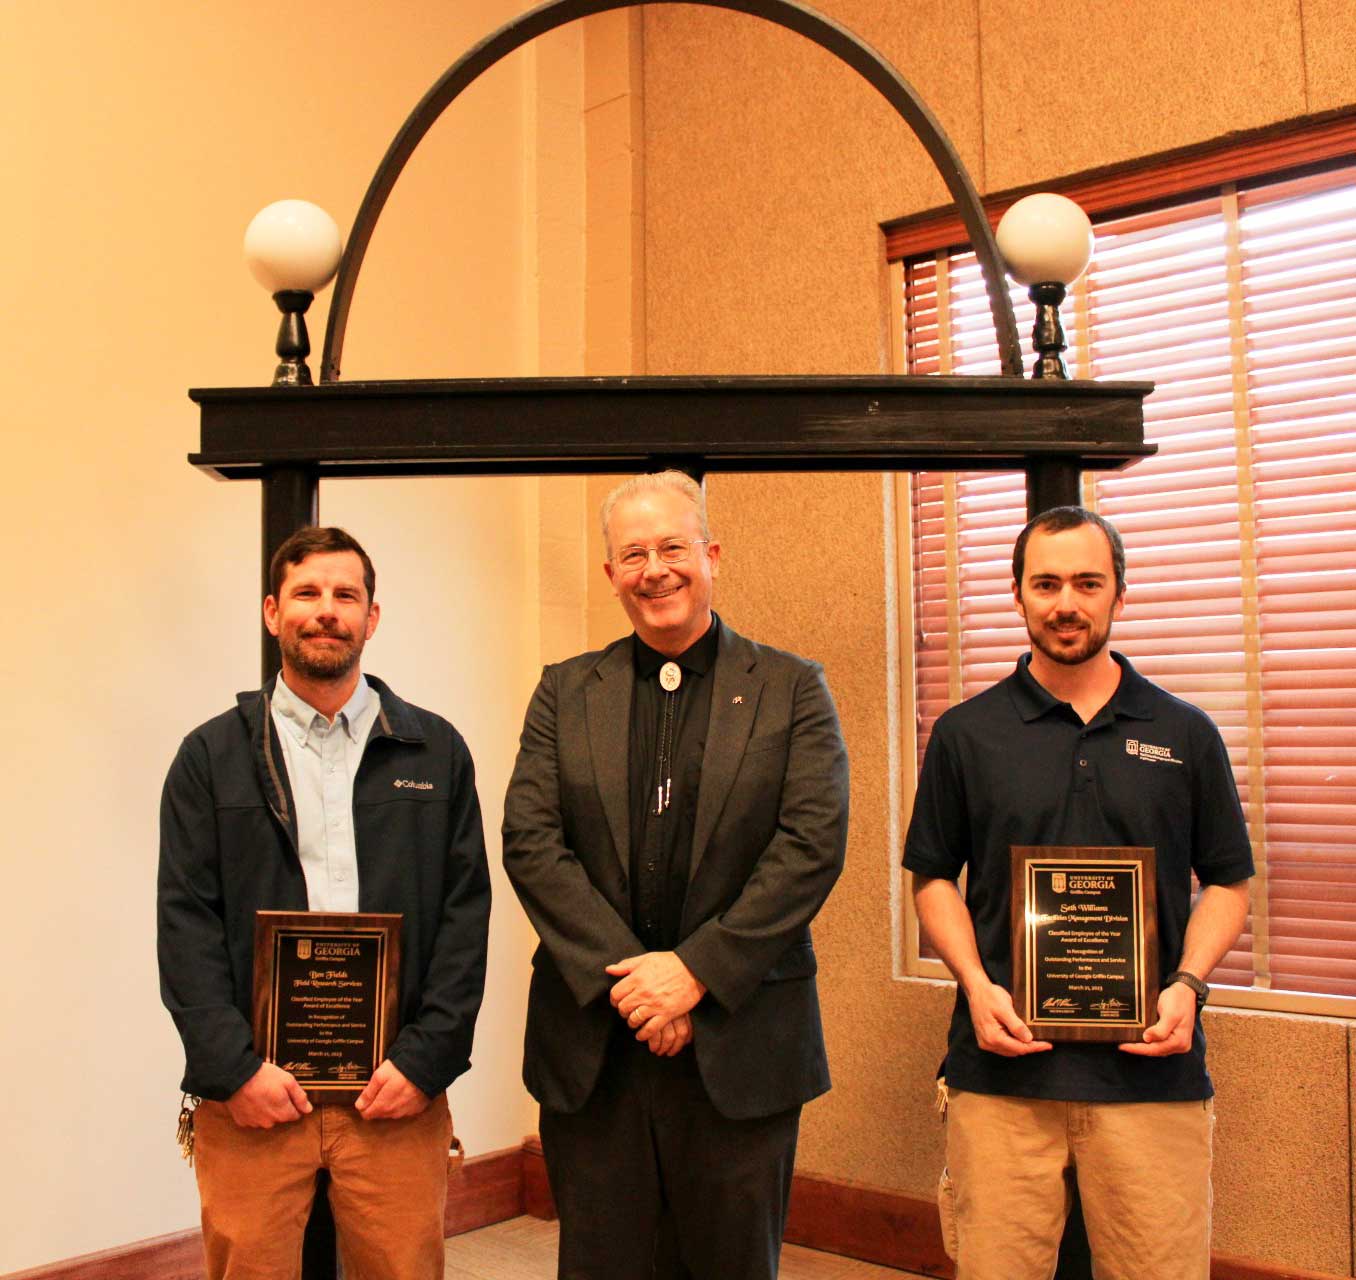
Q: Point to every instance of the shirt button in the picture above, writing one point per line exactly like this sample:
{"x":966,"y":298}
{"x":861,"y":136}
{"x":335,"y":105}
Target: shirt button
{"x":649,"y":866}
{"x":1083,"y":763}
{"x":341,"y":875}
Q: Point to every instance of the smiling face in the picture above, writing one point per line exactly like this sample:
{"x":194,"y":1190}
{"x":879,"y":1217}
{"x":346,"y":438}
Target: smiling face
{"x":322,"y":617}
{"x":668,"y":604}
{"x":1068,"y":595}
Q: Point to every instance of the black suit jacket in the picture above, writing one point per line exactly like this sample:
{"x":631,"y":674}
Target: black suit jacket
{"x":768,"y":844}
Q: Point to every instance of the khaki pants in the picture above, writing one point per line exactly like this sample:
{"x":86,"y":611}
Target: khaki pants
{"x":1143,"y":1171}
{"x":388,"y":1189}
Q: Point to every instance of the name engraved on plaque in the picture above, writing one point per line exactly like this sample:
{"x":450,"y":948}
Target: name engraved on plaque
{"x":1085,"y":949}
{"x":326,"y":997}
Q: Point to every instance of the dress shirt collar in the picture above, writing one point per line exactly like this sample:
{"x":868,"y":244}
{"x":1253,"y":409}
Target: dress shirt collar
{"x":302,"y":719}
{"x":696,"y":658}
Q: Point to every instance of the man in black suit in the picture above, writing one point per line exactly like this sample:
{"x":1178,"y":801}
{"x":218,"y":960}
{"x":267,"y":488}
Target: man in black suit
{"x":676,"y":818}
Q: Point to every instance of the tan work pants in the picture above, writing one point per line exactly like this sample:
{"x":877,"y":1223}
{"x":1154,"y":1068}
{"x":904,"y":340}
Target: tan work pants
{"x":388,"y":1189}
{"x":1143,"y":1171}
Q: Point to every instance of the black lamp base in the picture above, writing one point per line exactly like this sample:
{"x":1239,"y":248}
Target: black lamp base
{"x":1047,"y":337}
{"x":294,"y":343}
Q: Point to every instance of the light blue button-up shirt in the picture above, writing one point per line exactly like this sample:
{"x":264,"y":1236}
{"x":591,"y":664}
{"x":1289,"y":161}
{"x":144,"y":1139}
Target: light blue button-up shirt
{"x":322,"y":761}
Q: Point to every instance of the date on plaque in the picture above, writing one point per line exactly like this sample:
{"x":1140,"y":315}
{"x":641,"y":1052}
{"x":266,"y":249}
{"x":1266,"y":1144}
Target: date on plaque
{"x":1084,"y":941}
{"x":326,"y":996}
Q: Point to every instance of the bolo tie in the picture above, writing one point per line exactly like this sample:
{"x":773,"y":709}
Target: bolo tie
{"x":670,"y":677}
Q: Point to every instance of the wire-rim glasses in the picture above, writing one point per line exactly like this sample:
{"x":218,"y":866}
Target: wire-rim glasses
{"x":633,"y":558}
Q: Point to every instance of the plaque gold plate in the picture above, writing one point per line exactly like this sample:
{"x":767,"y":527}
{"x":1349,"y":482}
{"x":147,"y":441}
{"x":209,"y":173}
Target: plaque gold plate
{"x":326,"y":996}
{"x":1084,"y":941}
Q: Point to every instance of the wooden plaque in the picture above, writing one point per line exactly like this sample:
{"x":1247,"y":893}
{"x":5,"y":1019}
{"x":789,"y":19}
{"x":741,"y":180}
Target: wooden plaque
{"x":326,"y":996}
{"x":1084,"y":941}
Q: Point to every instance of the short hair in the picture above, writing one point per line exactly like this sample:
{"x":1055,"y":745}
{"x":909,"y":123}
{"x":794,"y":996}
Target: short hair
{"x":313,"y":540}
{"x":656,"y":482}
{"x":1057,"y":520}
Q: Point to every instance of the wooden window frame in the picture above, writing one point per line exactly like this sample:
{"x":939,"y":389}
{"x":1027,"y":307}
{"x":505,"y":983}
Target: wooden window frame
{"x":1276,"y":152}
{"x":1267,"y":155}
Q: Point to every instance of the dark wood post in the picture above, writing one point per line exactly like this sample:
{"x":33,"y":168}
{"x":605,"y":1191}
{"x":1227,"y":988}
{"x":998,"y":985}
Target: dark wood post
{"x":1052,"y":482}
{"x":1056,"y":482}
{"x":290,"y":501}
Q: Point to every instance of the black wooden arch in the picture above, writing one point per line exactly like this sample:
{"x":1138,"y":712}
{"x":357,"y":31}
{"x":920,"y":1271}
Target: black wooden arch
{"x":814,"y":26}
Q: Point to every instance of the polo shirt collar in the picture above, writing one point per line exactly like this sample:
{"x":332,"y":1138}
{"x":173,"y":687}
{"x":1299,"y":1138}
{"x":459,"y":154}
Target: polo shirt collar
{"x":1133,"y":697}
{"x":302,"y":719}
{"x":695,"y":659}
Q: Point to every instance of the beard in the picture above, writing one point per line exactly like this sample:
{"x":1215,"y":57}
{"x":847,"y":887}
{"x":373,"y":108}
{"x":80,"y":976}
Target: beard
{"x":1092,"y":639}
{"x":321,"y":661}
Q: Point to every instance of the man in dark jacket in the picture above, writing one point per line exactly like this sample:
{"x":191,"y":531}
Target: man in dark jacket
{"x":676,"y":818}
{"x":323,"y":792}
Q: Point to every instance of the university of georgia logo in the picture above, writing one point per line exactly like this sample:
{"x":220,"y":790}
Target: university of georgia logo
{"x":1058,"y":881}
{"x":1149,"y":752}
{"x":303,"y":948}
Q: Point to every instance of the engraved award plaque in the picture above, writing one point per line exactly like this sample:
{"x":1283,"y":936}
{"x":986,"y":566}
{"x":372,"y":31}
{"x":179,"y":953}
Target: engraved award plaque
{"x":1084,"y":941}
{"x":326,"y":996}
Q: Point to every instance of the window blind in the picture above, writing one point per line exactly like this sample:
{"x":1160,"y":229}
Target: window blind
{"x":1240,"y":533}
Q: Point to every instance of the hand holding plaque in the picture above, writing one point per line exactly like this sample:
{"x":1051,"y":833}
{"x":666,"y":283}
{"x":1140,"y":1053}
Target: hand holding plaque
{"x":326,"y":996}
{"x":1084,"y":941}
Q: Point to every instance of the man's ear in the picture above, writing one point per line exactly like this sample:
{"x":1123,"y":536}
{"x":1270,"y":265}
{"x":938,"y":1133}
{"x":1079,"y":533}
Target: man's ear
{"x":610,"y":571}
{"x":373,"y":617}
{"x":1017,"y":599}
{"x":271,"y":615}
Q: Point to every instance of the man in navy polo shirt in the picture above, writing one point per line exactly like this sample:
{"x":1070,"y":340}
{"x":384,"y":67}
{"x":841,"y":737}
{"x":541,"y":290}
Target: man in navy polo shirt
{"x":1055,"y":755}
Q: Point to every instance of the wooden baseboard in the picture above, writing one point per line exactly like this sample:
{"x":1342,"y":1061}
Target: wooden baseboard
{"x":898,"y":1230}
{"x":870,"y":1223}
{"x":830,"y":1214}
{"x":173,"y":1257}
{"x":485,"y":1190}
{"x":537,"y":1199}
{"x":877,"y":1225}
{"x":1223,"y":1267}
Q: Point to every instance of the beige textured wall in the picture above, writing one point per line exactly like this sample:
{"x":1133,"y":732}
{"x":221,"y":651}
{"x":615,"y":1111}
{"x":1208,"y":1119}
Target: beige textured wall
{"x":141,"y":138}
{"x":768,"y":169}
{"x":614,"y":125}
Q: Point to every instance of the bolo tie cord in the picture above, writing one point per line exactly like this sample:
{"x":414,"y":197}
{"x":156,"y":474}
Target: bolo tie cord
{"x":670,"y":678}
{"x":664,"y":782}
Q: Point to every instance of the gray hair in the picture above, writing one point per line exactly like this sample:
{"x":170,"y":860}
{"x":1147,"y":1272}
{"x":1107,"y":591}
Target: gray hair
{"x":656,"y":482}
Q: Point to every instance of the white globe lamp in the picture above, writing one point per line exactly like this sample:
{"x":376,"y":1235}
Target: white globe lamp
{"x":1046,"y":241}
{"x":292,"y":247}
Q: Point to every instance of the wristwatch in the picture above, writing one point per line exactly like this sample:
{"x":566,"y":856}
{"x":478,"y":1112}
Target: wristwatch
{"x":1192,"y":981}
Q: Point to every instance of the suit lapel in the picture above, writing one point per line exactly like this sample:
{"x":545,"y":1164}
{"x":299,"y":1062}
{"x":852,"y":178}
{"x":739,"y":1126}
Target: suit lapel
{"x":735,"y":689}
{"x":607,"y":709}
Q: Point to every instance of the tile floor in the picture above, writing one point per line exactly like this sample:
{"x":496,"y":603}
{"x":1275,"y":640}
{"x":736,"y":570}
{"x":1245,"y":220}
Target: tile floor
{"x":525,"y":1249}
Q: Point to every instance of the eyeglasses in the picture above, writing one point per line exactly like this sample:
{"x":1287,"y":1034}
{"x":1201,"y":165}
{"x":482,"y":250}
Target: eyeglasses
{"x":670,"y":551}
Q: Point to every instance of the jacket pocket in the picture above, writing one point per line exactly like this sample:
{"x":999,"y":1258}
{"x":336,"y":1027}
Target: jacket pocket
{"x":775,"y":741}
{"x":797,"y":961}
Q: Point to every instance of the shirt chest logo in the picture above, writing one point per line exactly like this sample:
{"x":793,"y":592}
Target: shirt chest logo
{"x":1148,"y":751}
{"x":410,"y":784}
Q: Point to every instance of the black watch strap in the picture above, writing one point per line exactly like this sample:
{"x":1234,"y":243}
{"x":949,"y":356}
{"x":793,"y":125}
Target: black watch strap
{"x":1192,"y":981}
